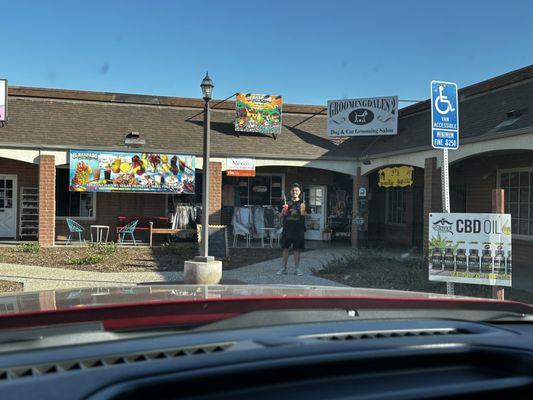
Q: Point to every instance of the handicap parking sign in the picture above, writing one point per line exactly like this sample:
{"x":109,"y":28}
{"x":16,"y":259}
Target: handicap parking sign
{"x":444,"y":115}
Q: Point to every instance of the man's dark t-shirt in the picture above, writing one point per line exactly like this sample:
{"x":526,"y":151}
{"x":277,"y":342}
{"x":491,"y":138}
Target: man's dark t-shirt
{"x":294,"y":221}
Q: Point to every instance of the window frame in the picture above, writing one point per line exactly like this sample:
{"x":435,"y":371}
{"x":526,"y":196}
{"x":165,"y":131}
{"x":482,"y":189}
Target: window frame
{"x":387,"y":203}
{"x":517,"y":236}
{"x":94,"y":194}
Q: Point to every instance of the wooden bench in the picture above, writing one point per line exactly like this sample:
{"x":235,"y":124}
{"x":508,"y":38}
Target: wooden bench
{"x":166,"y":231}
{"x":144,"y":222}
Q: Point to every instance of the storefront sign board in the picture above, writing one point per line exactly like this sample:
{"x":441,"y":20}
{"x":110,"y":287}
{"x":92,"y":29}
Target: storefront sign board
{"x":376,"y":116}
{"x":258,"y":113}
{"x":108,"y":171}
{"x":240,"y":167}
{"x":470,"y":248}
{"x":396,"y":176}
{"x":3,"y":100}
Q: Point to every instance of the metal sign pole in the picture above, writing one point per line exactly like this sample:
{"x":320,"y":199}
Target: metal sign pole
{"x":445,"y":135}
{"x":446,"y":201}
{"x":445,"y":182}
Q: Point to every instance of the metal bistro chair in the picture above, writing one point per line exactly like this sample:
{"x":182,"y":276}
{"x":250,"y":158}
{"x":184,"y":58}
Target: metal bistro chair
{"x":73,"y":228}
{"x":129,"y":229}
{"x":241,"y":230}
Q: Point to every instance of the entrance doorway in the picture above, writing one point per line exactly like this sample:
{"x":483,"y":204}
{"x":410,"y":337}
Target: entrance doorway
{"x":8,"y":206}
{"x":315,"y":220}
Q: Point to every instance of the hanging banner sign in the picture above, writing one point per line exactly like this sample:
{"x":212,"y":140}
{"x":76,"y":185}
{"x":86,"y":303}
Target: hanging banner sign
{"x":377,"y":116}
{"x":110,"y":171}
{"x":470,"y":248}
{"x":240,"y":167}
{"x":3,"y":100}
{"x":258,"y":113}
{"x":396,"y":176}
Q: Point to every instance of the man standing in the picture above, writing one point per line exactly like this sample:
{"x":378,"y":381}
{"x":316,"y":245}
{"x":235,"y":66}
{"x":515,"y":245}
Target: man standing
{"x":293,"y":214}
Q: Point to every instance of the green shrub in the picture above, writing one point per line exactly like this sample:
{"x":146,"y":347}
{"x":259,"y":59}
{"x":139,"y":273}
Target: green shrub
{"x":30,"y":247}
{"x":88,"y":259}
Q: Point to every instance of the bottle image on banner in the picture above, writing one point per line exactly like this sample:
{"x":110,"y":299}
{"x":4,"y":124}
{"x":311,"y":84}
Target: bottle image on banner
{"x":509,"y":263}
{"x":460,"y":260}
{"x":499,"y":262}
{"x":448,"y":259}
{"x":486,"y":262}
{"x":436,"y":259}
{"x":473,"y":261}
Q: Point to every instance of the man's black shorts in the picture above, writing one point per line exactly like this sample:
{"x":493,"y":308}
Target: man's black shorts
{"x":296,"y":240}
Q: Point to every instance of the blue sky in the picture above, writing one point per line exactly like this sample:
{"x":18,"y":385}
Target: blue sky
{"x":308,"y":51}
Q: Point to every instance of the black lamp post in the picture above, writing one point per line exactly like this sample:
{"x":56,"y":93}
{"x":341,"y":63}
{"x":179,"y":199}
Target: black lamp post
{"x":207,"y":90}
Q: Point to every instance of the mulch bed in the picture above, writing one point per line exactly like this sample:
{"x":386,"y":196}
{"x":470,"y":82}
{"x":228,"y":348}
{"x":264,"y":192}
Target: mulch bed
{"x":372,"y":270}
{"x":9,"y":286}
{"x":129,"y":259}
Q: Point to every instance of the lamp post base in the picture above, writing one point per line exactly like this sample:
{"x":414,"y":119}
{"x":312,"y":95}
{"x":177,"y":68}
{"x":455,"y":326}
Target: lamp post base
{"x":202,"y":271}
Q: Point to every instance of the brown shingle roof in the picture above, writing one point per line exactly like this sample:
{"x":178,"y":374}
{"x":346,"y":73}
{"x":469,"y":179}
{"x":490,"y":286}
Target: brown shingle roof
{"x":76,"y":119}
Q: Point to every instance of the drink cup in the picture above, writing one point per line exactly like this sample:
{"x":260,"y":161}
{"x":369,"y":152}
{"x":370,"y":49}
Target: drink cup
{"x":96,"y":174}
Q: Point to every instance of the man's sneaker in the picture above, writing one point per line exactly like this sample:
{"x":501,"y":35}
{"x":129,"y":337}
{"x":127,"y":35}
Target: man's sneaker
{"x":283,"y":271}
{"x":299,"y":272}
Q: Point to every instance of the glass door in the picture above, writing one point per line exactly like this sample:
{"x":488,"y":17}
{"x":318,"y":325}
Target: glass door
{"x":8,"y":206}
{"x":315,"y":220}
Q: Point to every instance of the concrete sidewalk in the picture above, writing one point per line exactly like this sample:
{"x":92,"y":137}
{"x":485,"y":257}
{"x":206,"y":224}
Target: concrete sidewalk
{"x":42,"y":278}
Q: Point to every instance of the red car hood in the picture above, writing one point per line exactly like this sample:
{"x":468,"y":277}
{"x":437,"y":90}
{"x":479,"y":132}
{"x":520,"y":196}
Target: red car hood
{"x":126,"y":307}
{"x":68,"y":298}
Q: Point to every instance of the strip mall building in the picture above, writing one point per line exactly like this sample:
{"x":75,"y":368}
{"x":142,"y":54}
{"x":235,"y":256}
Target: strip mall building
{"x":496,"y":131}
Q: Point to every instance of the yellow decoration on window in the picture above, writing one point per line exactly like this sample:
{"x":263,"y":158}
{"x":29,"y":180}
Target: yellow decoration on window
{"x":396,"y":176}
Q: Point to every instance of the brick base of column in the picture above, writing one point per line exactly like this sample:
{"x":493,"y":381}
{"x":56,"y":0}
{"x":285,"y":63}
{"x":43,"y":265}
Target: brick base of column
{"x":215,"y":192}
{"x":432,"y":196}
{"x":47,"y":201}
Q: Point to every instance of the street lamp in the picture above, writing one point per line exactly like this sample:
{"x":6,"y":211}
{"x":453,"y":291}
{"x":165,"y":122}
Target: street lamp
{"x":207,"y":87}
{"x":207,"y":90}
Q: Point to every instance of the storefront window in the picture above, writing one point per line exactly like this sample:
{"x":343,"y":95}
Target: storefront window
{"x":72,"y":204}
{"x":396,"y":205}
{"x":259,"y":190}
{"x":518,"y":186}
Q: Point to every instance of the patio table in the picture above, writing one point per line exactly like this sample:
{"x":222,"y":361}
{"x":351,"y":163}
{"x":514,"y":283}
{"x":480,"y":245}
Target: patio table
{"x":100,"y":230}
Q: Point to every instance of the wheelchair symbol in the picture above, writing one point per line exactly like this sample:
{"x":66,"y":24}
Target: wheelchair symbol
{"x":443,"y":100}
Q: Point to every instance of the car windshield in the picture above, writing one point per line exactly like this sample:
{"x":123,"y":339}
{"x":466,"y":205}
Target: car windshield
{"x":156,"y":151}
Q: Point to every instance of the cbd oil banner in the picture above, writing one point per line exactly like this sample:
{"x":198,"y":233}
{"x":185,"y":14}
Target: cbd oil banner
{"x":109,"y":171}
{"x":470,"y":248}
{"x":258,"y":113}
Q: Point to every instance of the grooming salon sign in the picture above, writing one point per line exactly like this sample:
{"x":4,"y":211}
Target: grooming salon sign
{"x":376,"y":116}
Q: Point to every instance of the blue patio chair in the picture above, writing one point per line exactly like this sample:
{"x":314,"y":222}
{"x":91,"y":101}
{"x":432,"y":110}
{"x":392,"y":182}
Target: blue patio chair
{"x":73,"y":228}
{"x":127,"y":230}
